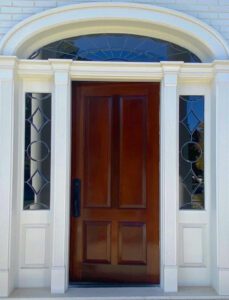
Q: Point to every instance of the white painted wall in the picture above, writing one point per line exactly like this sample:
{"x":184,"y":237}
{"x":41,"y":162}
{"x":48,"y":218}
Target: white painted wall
{"x":213,"y":12}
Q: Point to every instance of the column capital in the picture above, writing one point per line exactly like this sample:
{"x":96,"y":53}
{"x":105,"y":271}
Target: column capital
{"x":61,"y":70}
{"x":221,"y":65}
{"x":60,"y":65}
{"x":171,"y":72}
{"x":7,"y":67}
{"x":221,"y":77}
{"x":171,"y":67}
{"x":221,"y":71}
{"x":8,"y":61}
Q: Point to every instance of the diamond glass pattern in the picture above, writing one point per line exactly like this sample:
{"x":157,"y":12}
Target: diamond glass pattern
{"x":191,"y":122}
{"x":191,"y":182}
{"x":115,"y":47}
{"x":191,"y":156}
{"x":37,"y":182}
{"x":38,"y":119}
{"x":37,"y":151}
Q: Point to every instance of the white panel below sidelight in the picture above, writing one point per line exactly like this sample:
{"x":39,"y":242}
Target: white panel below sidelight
{"x":192,"y":246}
{"x":35,"y":246}
{"x":194,"y":269}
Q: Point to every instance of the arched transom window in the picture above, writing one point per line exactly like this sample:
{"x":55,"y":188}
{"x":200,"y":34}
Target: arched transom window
{"x":115,"y":47}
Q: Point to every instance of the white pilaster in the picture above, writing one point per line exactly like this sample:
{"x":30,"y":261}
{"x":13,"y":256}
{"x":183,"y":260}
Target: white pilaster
{"x":60,"y":173}
{"x":169,"y":175}
{"x":7,"y":73}
{"x":222,"y":179}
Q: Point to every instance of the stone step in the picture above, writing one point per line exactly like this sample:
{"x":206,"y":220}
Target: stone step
{"x":118,"y":293}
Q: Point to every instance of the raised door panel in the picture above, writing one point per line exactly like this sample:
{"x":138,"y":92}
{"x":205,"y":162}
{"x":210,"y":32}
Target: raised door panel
{"x":97,"y":242}
{"x":97,"y":152}
{"x":132,"y":243}
{"x":133,"y":139}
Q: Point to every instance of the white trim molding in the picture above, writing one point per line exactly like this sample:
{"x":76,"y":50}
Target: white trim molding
{"x":7,"y":173}
{"x":169,"y":176}
{"x":60,"y":174}
{"x":119,"y":17}
{"x":221,"y":88}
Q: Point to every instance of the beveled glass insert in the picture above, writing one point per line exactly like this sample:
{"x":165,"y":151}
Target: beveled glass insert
{"x":37,"y":151}
{"x":115,"y":47}
{"x":191,"y":156}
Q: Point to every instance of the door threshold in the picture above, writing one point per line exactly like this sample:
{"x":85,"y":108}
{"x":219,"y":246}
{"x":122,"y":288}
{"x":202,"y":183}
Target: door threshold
{"x":82,"y":284}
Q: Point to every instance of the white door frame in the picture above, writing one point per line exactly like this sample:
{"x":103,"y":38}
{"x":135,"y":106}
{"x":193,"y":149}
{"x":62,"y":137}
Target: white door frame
{"x":55,"y":76}
{"x":61,"y":163}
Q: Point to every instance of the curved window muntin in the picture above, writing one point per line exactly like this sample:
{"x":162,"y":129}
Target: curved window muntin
{"x":115,"y":47}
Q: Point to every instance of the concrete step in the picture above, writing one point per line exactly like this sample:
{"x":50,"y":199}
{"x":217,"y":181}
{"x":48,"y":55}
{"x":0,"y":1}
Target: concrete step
{"x":118,"y":293}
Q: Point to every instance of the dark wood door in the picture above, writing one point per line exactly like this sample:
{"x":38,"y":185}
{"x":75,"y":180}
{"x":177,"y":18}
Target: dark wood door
{"x":115,"y":155}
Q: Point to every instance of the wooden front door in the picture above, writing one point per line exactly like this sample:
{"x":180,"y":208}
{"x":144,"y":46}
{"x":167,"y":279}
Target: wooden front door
{"x":115,"y":183}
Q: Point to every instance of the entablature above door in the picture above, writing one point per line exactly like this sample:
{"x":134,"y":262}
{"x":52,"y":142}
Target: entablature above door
{"x":113,"y":71}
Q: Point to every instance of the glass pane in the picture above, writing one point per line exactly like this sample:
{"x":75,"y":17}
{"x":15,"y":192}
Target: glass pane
{"x":37,"y":151}
{"x":191,"y":156}
{"x":115,"y":47}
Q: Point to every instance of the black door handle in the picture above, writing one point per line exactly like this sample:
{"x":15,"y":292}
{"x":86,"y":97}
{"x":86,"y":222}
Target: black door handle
{"x":76,"y":192}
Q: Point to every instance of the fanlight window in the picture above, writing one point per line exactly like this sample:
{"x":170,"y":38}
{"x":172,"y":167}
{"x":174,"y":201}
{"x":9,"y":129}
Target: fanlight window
{"x":115,"y":47}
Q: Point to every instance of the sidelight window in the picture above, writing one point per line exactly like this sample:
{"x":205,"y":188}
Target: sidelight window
{"x":37,"y":151}
{"x":191,"y":154}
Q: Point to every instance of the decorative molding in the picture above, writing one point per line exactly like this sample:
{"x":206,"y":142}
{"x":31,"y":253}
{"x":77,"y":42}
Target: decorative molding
{"x":61,"y":71}
{"x":114,"y":71}
{"x":8,"y":66}
{"x":133,"y":18}
{"x":43,"y":244}
{"x":7,"y":177}
{"x":182,"y":246}
{"x":169,"y":177}
{"x":60,"y":175}
{"x":221,"y":90}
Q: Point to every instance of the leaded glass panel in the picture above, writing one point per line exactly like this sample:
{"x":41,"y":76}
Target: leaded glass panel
{"x":37,"y":151}
{"x":115,"y":47}
{"x":191,"y":156}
